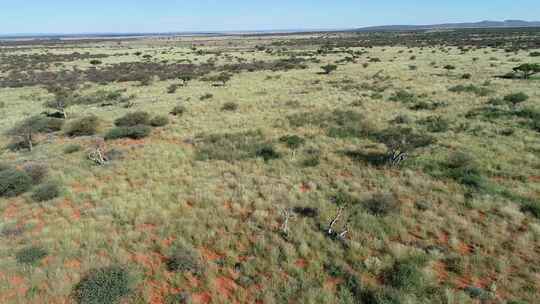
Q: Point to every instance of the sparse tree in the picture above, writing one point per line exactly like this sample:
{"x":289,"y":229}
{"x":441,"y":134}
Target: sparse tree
{"x":329,"y":68}
{"x":528,"y":69}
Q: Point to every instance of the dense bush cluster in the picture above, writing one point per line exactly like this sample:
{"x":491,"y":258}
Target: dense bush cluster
{"x":103,"y":286}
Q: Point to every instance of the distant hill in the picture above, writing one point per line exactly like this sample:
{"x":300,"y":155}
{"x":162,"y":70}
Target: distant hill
{"x":482,"y":24}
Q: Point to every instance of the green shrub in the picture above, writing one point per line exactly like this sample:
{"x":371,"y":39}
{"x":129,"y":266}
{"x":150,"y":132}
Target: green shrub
{"x":134,"y":132}
{"x":206,"y":96}
{"x":30,"y":255}
{"x":382,"y":204}
{"x":133,"y":119}
{"x":36,"y":171}
{"x":72,"y":148}
{"x":46,"y":192}
{"x":405,"y":276}
{"x":85,"y":126}
{"x":466,"y":76}
{"x":435,"y":124}
{"x":233,"y":146}
{"x":229,"y":106}
{"x":534,"y":54}
{"x":403,"y":96}
{"x":292,"y":141}
{"x":449,"y":67}
{"x":479,"y":91}
{"x":159,"y":121}
{"x":532,"y":208}
{"x":185,"y":259}
{"x":103,"y":286}
{"x":178,"y":110}
{"x":516,"y":98}
{"x":267,"y":152}
{"x":14,"y":182}
{"x":329,"y":68}
{"x":463,"y":169}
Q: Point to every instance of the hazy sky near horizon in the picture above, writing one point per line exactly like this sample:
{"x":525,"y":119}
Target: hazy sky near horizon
{"x":72,"y":16}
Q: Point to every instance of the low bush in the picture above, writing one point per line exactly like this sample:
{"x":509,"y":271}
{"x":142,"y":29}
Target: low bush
{"x":406,"y":276}
{"x":178,"y":110}
{"x":329,"y":68}
{"x":85,"y":126}
{"x":516,"y":98}
{"x":30,"y":255}
{"x":435,"y":124}
{"x":46,"y":192}
{"x":229,"y":106}
{"x":14,"y":182}
{"x":267,"y":152}
{"x":159,"y":121}
{"x":479,"y":91}
{"x":463,"y":169}
{"x":72,"y":148}
{"x":106,"y":285}
{"x":403,"y":96}
{"x":183,"y":258}
{"x":133,"y":119}
{"x":382,"y":204}
{"x":234,"y":147}
{"x":133,"y":132}
{"x":37,"y":172}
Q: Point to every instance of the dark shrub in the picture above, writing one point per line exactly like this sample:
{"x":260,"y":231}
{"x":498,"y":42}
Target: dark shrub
{"x":178,"y":110}
{"x":405,"y":276}
{"x":232,"y":146}
{"x":229,"y":106}
{"x":14,"y":182}
{"x":46,"y":192}
{"x":403,"y":96}
{"x":267,"y":152}
{"x":85,"y":126}
{"x":185,"y":259}
{"x":306,"y":211}
{"x":401,"y":119}
{"x":466,"y":76}
{"x":479,"y":91}
{"x":159,"y":121}
{"x":534,"y":54}
{"x":327,"y":69}
{"x":532,"y":208}
{"x":206,"y":96}
{"x":172,"y":88}
{"x":292,"y":141}
{"x":449,"y":67}
{"x":103,"y":286}
{"x":133,"y":119}
{"x":382,"y":204}
{"x":435,"y":124}
{"x":516,"y":98}
{"x":72,"y":148}
{"x":95,"y":62}
{"x":30,"y":255}
{"x":36,"y":171}
{"x":463,"y":169}
{"x":134,"y":132}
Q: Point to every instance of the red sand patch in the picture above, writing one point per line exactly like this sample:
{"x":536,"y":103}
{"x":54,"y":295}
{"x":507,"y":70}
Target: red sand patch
{"x":151,"y":262}
{"x":464,"y":249}
{"x":201,"y":298}
{"x":304,"y":187}
{"x":11,"y":211}
{"x":210,"y":255}
{"x":440,"y":270}
{"x":443,"y":238}
{"x":72,"y":264}
{"x":225,"y":286}
{"x":301,"y":263}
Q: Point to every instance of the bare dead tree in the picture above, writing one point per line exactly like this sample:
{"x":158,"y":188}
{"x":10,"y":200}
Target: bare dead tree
{"x":333,"y":233}
{"x":97,"y":155}
{"x":287,"y":214}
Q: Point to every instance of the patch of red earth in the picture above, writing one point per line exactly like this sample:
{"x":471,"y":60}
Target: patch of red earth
{"x":304,"y":187}
{"x":210,"y":255}
{"x":77,"y":187}
{"x":130,"y":142}
{"x":226,"y":287}
{"x":151,"y":262}
{"x":201,"y":298}
{"x":464,"y":248}
{"x":441,"y":271}
{"x":192,"y":280}
{"x":159,"y":290}
{"x":301,"y":263}
{"x":18,"y":287}
{"x":534,"y":178}
{"x":346,"y":174}
{"x":332,"y":283}
{"x":11,"y":211}
{"x":443,"y":238}
{"x":167,"y":242}
{"x":72,"y":264}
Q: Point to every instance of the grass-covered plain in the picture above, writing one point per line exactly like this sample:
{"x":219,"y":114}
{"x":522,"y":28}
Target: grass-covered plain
{"x":238,"y":170}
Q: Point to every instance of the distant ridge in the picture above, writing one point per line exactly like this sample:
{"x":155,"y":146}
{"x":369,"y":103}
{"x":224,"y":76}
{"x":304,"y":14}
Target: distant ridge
{"x":473,"y":25}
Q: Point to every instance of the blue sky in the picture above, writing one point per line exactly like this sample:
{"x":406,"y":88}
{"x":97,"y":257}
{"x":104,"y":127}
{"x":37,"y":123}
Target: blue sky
{"x":77,"y":16}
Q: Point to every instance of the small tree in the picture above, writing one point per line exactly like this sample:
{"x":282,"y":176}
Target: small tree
{"x":185,"y":79}
{"x":528,"y":69}
{"x":400,"y":142}
{"x":63,"y":98}
{"x":329,"y":68}
{"x":25,"y":130}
